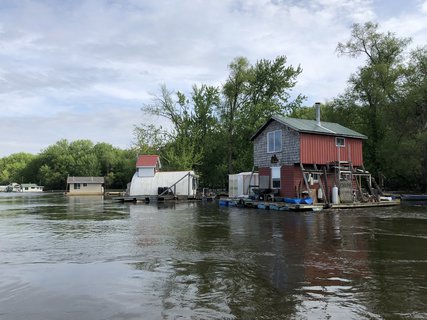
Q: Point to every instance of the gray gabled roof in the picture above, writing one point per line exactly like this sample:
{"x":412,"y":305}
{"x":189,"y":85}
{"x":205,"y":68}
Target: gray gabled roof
{"x":311,"y":126}
{"x":85,"y":180}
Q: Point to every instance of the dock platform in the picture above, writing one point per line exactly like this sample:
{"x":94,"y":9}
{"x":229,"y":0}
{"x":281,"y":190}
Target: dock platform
{"x":149,"y":198}
{"x":365,"y":204}
{"x":268,"y":205}
{"x":282,"y":206}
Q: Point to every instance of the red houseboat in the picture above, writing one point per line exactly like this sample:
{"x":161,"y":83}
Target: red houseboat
{"x":295,"y":157}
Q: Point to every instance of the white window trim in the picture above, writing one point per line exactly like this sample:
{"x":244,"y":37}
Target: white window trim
{"x":268,"y":141}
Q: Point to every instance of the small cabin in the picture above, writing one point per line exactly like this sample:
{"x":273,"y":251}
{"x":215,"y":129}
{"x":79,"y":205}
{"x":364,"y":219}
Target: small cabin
{"x":31,"y":187}
{"x":148,"y":181}
{"x":296,"y":156}
{"x":85,"y":186}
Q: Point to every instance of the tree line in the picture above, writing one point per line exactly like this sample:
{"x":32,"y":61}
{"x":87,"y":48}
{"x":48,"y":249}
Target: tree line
{"x":386,"y":99}
{"x":52,"y":166}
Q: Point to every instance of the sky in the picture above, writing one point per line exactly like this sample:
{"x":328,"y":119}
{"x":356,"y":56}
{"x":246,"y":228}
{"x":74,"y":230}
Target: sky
{"x":82,"y":69}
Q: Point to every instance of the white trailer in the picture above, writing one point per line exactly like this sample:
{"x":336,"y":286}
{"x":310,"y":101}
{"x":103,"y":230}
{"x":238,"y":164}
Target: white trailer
{"x":241,"y":184}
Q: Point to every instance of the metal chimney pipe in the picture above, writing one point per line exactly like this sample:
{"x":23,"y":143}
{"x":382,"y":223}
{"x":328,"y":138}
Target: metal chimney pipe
{"x":317,"y":105}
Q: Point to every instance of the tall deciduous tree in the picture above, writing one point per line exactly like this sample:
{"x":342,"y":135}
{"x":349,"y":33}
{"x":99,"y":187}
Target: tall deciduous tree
{"x":377,"y":85}
{"x":182,"y":147}
{"x":252,"y":93}
{"x":386,"y":100}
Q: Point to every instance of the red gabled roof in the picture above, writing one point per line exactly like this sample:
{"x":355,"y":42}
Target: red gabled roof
{"x":148,"y":161}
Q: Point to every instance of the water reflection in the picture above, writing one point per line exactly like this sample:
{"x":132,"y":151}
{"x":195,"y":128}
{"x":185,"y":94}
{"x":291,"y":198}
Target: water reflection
{"x":89,"y":258}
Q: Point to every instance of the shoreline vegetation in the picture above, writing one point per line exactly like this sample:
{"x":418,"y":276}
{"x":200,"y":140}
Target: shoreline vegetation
{"x":385,"y":99}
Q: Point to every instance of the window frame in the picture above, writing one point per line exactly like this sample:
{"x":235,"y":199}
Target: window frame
{"x":276,"y":145}
{"x":340,"y":145}
{"x":276,"y":177}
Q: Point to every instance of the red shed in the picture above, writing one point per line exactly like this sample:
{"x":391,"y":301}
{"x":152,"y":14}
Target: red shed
{"x":296,"y":155}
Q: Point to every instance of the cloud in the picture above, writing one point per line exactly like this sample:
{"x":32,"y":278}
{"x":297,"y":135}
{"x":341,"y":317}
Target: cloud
{"x":70,"y":62}
{"x":33,"y":134}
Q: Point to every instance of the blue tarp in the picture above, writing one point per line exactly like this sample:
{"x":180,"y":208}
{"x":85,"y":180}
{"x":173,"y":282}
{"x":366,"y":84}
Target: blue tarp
{"x":298,"y":200}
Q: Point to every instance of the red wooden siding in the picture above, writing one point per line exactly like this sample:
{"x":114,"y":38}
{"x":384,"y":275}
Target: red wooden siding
{"x":321,"y":149}
{"x":292,"y":181}
{"x":266,"y":171}
{"x":291,"y":178}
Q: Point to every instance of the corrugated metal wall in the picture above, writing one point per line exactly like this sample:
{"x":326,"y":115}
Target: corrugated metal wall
{"x":322,"y":150}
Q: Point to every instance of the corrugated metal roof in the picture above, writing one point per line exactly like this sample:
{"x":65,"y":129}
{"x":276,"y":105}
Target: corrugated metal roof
{"x":311,"y":126}
{"x":147,"y":161}
{"x":85,"y":180}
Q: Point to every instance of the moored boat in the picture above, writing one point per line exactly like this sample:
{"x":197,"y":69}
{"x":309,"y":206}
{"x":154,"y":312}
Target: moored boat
{"x":413,"y":197}
{"x":31,"y":187}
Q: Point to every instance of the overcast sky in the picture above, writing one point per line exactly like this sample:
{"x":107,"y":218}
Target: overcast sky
{"x":82,"y":69}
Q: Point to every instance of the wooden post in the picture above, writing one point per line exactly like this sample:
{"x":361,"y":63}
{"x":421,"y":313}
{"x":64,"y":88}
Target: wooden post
{"x":326,"y":185}
{"x":305,"y":178}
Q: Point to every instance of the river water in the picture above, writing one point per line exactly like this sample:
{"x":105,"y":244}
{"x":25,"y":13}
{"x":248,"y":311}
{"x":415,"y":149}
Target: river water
{"x":89,"y":258}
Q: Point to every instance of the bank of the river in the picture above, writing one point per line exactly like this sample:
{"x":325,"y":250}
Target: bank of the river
{"x":88,"y":258}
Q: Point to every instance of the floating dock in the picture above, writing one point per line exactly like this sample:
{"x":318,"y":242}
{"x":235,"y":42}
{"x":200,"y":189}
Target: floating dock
{"x":355,"y":205}
{"x":149,"y":198}
{"x":266,"y":205}
{"x":282,"y":206}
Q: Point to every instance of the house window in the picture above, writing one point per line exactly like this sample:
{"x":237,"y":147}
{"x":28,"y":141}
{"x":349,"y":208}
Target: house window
{"x":274,"y":141}
{"x":76,"y":186}
{"x":340,"y":142}
{"x":84,"y":184}
{"x":275,"y":177}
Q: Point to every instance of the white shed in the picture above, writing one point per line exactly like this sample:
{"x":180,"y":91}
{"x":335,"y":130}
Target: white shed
{"x":149,"y":181}
{"x":181,"y":183}
{"x":240,"y":183}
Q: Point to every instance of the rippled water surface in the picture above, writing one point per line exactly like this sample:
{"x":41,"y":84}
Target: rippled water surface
{"x":89,"y":258}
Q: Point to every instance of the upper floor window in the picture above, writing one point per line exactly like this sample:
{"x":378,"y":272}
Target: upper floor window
{"x":340,"y":142}
{"x":274,"y":141}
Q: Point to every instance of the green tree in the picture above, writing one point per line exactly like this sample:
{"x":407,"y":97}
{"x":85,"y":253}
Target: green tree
{"x":148,"y":139}
{"x":386,"y":100}
{"x":116,"y":165}
{"x":210,"y":131}
{"x":377,"y":85}
{"x":182,"y":146}
{"x":253,"y":93}
{"x":67,"y":159}
{"x":14,"y":168}
{"x":406,"y":145}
